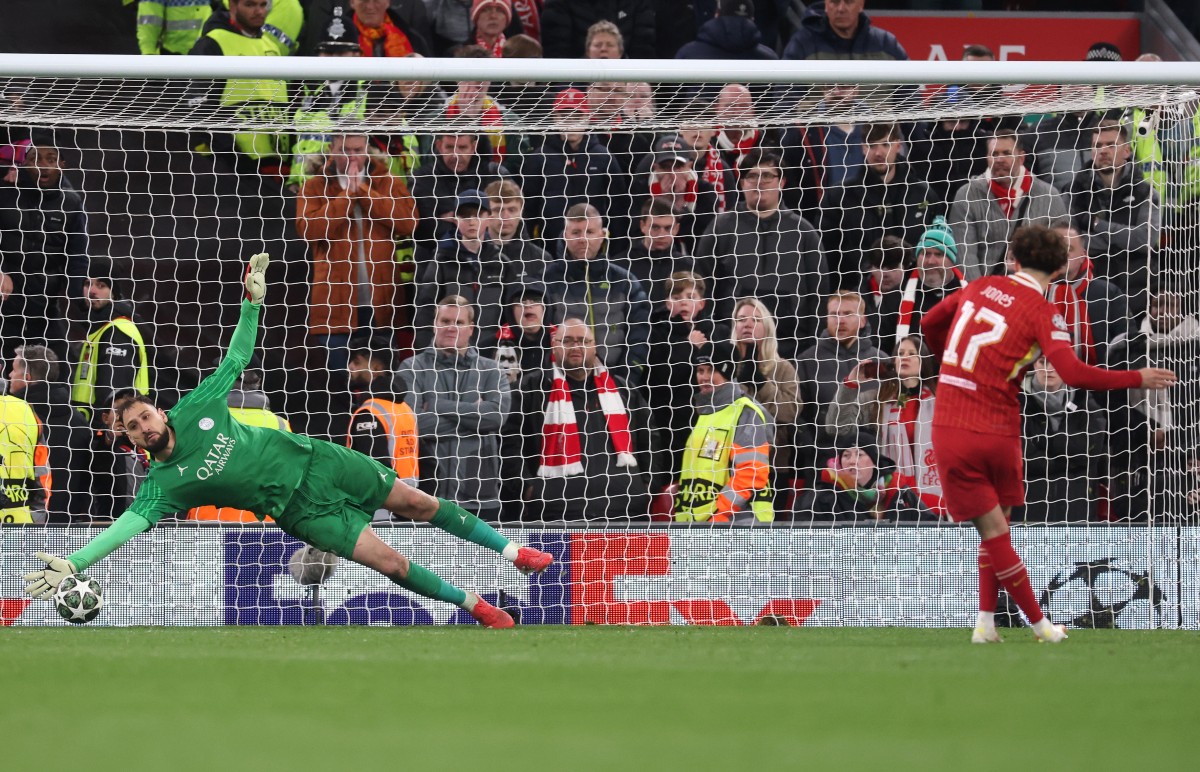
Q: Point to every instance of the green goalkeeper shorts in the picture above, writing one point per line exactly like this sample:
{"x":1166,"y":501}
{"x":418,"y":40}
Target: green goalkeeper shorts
{"x":337,"y":498}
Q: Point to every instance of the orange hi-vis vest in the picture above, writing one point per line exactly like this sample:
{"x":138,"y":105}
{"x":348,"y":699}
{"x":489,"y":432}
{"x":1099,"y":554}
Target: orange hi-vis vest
{"x":401,"y":425}
{"x":248,"y":417}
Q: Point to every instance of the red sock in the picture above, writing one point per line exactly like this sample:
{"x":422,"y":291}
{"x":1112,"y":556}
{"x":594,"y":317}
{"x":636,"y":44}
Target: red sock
{"x":1011,"y":573}
{"x":989,"y":585}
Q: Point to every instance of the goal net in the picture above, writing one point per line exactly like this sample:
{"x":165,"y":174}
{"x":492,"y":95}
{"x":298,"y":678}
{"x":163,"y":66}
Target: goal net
{"x":545,"y":291}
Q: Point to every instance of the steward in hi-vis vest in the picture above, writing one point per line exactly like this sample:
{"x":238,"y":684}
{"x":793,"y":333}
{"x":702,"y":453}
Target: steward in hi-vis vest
{"x":726,"y":462}
{"x":249,"y":406}
{"x":283,"y":24}
{"x":24,"y":474}
{"x":240,"y":33}
{"x":113,"y":357}
{"x":381,"y":426}
{"x":170,"y":26}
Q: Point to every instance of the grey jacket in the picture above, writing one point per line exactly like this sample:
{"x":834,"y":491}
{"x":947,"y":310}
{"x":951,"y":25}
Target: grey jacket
{"x":460,"y":401}
{"x":822,"y":369}
{"x":778,"y":260}
{"x":983,"y":232}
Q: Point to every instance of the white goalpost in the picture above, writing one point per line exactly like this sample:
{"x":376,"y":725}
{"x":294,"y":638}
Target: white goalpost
{"x":785,"y":223}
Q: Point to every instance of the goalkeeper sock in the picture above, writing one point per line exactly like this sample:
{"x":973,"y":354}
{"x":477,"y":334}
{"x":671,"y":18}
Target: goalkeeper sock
{"x":989,"y":585}
{"x":1010,"y":570}
{"x":455,"y":520}
{"x":422,"y":581}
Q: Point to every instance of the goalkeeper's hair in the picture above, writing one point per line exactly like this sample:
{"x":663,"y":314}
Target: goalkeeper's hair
{"x":127,"y":398}
{"x":1039,"y":248}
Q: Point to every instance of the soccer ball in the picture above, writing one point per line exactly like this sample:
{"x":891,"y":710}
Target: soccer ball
{"x":309,"y":565}
{"x":78,"y":599}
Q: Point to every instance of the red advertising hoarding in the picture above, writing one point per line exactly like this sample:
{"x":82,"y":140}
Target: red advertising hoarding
{"x":1013,"y":37}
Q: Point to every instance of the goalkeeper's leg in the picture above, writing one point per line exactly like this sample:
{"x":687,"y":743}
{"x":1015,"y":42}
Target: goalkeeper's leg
{"x":407,"y":501}
{"x":372,"y":552}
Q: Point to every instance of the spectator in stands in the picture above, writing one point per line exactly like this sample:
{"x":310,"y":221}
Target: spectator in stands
{"x":710,"y":161}
{"x":1155,"y":428}
{"x":839,"y":29}
{"x":1104,"y":313}
{"x":386,"y":31}
{"x":466,"y":265}
{"x":765,"y":251}
{"x":584,"y":436}
{"x":889,"y":263}
{"x":318,"y":13}
{"x":382,"y":425}
{"x":936,"y":275}
{"x":894,"y":400}
{"x":567,"y":28}
{"x":461,"y":400}
{"x":730,"y":34}
{"x":766,"y":376}
{"x":24,"y":460}
{"x":350,"y":212}
{"x":456,"y":23}
{"x":398,"y":104}
{"x":489,"y":20}
{"x":824,"y":366}
{"x":522,"y":343}
{"x":1117,"y":207}
{"x":323,"y":104}
{"x":823,"y":154}
{"x":506,"y":228}
{"x":739,"y":131}
{"x":113,"y":356}
{"x":953,"y":151}
{"x":604,"y":41}
{"x":672,"y":180}
{"x":241,"y":32}
{"x":886,"y":199}
{"x":659,"y":254}
{"x":16,"y":326}
{"x":285,"y":21}
{"x":1062,"y":433}
{"x":170,"y":26}
{"x":592,"y":286}
{"x":725,"y":474}
{"x":859,"y":483}
{"x":639,"y":102}
{"x":462,"y":162}
{"x":989,"y":208}
{"x":472,"y":103}
{"x":572,"y":166}
{"x":34,"y":378}
{"x":680,"y":323}
{"x":607,"y":101}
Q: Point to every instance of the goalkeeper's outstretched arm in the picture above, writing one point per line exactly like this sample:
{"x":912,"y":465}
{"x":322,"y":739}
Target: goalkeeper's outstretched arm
{"x":241,"y":346}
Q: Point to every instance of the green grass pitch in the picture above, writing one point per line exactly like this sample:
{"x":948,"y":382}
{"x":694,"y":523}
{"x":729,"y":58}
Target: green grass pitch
{"x":569,"y":698}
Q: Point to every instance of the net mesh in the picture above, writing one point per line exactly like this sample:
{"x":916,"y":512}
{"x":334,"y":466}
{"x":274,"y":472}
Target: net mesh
{"x":665,"y":217}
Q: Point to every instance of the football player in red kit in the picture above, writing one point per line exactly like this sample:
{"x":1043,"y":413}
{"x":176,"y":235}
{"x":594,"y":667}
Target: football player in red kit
{"x":988,"y":335}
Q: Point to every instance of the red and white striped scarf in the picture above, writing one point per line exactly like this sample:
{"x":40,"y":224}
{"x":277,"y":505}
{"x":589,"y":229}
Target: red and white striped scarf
{"x":712,"y":171}
{"x":1067,"y":298}
{"x":1009,"y":198}
{"x":561,"y":453}
{"x":496,"y":49}
{"x":740,"y":148}
{"x":908,"y":303}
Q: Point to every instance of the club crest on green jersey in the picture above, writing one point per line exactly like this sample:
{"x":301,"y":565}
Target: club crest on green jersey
{"x":207,"y":423}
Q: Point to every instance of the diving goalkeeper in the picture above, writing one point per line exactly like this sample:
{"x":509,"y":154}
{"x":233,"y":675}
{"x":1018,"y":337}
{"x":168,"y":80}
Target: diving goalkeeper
{"x":321,"y":493}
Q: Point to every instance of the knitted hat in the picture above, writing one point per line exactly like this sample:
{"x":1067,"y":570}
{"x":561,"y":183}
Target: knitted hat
{"x":718,"y":354}
{"x":1103,"y":52}
{"x":478,"y":6}
{"x":939,"y":236}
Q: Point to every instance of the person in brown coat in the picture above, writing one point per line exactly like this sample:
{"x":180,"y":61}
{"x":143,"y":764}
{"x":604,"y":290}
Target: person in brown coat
{"x":351,"y":212}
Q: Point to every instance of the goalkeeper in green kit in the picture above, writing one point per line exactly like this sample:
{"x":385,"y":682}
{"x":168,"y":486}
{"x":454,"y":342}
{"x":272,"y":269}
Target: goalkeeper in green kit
{"x":321,"y":493}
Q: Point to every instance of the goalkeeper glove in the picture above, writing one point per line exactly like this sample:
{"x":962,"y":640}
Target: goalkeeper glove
{"x":256,"y":280}
{"x":42,"y":584}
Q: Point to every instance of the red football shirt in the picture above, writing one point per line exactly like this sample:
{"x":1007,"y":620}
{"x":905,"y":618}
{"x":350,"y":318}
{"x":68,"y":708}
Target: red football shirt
{"x":988,"y":334}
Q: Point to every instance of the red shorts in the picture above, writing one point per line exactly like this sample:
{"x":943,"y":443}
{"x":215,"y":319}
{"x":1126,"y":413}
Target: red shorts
{"x":978,"y":471}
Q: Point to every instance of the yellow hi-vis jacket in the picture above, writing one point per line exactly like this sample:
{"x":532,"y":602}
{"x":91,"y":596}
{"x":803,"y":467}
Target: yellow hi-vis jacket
{"x":24,"y":457}
{"x":721,"y":478}
{"x":83,"y":388}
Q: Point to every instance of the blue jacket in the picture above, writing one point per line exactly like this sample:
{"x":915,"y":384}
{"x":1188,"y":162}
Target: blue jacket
{"x":727,"y":37}
{"x":815,"y":40}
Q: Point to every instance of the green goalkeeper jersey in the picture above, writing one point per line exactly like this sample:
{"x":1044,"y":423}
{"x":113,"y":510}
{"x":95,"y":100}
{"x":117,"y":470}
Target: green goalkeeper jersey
{"x":216,"y":459}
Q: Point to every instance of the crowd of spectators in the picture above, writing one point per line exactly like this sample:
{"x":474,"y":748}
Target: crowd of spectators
{"x":581,"y":293}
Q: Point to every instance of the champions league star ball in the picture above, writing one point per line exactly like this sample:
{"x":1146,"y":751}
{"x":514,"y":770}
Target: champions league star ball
{"x":78,"y":599}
